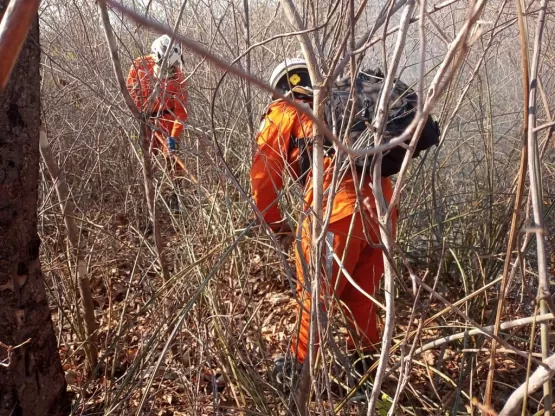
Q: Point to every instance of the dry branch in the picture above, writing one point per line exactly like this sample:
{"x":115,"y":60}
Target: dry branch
{"x":386,"y":226}
{"x":534,"y":169}
{"x":466,"y":317}
{"x":73,"y":236}
{"x":148,"y":174}
{"x":521,"y":176}
{"x":540,"y":377}
{"x":225,"y":65}
{"x":214,"y":208}
{"x":485,"y":330}
{"x":314,"y":282}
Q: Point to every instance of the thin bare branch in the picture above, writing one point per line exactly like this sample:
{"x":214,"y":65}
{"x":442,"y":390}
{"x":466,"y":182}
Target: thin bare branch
{"x":540,"y":377}
{"x":534,"y":169}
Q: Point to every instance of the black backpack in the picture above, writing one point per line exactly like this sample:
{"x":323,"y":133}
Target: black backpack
{"x":402,"y":110}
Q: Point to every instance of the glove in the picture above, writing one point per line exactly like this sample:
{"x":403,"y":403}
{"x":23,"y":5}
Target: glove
{"x":172,"y":144}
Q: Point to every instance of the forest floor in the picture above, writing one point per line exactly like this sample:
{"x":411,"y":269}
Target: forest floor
{"x":199,"y":375}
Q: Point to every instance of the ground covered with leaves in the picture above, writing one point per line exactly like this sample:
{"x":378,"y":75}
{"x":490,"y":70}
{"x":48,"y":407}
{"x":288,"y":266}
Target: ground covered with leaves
{"x":232,"y":312}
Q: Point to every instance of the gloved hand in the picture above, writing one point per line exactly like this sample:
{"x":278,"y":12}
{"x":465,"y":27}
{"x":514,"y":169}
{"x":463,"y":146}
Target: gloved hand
{"x":172,"y":144}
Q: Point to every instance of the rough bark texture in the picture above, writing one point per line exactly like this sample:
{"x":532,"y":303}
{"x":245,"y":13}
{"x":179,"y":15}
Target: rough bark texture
{"x":33,"y":382}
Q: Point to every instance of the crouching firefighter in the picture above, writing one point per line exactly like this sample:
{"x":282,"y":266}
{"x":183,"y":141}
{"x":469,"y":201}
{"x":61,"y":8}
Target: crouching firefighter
{"x":157,"y":86}
{"x":283,"y":139}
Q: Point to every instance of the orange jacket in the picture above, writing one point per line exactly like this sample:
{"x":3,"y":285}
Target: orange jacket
{"x":274,"y":156}
{"x":172,"y":96}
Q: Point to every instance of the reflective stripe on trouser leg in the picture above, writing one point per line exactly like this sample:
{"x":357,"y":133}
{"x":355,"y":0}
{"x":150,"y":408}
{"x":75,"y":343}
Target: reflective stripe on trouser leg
{"x":329,"y":255}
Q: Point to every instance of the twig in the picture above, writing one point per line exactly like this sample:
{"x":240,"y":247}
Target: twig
{"x":318,"y":192}
{"x":386,"y":226}
{"x":10,"y":349}
{"x":513,"y":233}
{"x":143,"y":139}
{"x":366,"y":39}
{"x":473,"y":322}
{"x":448,"y":68}
{"x":544,"y":126}
{"x":73,"y":236}
{"x":534,"y":169}
{"x":223,"y":64}
{"x":540,"y":377}
{"x":484,"y":408}
{"x":487,"y":329}
{"x":304,"y":39}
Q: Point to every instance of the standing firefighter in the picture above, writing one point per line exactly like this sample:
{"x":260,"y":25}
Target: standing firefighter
{"x":284,"y":142}
{"x":157,"y":86}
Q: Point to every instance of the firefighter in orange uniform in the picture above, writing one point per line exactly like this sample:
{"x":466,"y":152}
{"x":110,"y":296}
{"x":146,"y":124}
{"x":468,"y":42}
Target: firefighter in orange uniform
{"x":283,"y":134}
{"x":159,"y":88}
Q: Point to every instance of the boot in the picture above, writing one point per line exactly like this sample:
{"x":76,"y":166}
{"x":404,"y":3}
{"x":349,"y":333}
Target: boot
{"x":349,"y":371}
{"x":360,"y":364}
{"x":173,"y":203}
{"x":286,"y":371}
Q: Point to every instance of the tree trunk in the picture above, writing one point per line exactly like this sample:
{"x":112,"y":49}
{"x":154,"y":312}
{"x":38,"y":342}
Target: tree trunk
{"x":31,"y":376}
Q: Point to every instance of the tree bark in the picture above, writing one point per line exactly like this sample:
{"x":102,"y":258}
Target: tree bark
{"x":31,"y":376}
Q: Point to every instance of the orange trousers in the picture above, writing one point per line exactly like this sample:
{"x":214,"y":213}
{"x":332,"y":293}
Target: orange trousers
{"x":362,"y":261}
{"x":173,"y":162}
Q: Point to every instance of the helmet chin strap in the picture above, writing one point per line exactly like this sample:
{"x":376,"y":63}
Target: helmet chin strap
{"x":299,"y":92}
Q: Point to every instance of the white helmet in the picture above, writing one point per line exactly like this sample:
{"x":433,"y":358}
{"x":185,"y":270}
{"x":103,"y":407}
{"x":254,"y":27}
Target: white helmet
{"x":159,"y":48}
{"x":291,"y":74}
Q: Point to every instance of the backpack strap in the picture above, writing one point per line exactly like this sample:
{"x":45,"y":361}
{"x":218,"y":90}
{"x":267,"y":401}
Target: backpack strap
{"x":305,"y":145}
{"x":297,"y":143}
{"x":157,"y":114}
